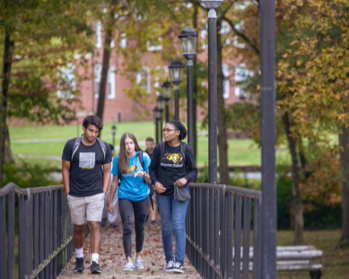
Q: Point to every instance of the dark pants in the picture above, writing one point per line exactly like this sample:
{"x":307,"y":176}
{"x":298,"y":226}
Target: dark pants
{"x":140,"y":210}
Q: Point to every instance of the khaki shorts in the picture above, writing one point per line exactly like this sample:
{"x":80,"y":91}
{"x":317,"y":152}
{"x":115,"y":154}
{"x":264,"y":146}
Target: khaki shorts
{"x":84,"y":209}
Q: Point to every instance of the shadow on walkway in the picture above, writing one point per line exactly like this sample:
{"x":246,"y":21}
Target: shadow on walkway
{"x":112,"y":259}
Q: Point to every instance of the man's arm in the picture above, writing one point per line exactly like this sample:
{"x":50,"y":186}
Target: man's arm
{"x":106,"y":177}
{"x":113,"y":188}
{"x":65,"y":176}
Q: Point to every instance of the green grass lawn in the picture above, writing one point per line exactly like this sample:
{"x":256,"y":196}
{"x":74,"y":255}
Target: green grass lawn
{"x":53,"y":138}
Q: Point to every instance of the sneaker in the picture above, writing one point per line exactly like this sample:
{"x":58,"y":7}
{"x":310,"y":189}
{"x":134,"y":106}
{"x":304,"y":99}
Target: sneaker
{"x":95,"y":268}
{"x":79,"y":266}
{"x":129,"y":266}
{"x":153,"y":224}
{"x":139,"y":263}
{"x":169,"y":266}
{"x":113,"y":225}
{"x":178,"y":267}
{"x":103,"y":222}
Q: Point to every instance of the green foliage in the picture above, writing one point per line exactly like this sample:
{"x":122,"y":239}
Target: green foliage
{"x":26,"y":175}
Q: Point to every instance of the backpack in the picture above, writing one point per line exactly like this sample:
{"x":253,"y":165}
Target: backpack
{"x":77,"y":143}
{"x":162,"y":151}
{"x":150,"y":186}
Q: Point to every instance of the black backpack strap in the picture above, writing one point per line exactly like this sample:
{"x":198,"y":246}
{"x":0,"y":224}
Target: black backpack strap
{"x":140,"y":156}
{"x":76,"y":145}
{"x":183,"y":144}
{"x":103,"y":147}
{"x":162,"y":149}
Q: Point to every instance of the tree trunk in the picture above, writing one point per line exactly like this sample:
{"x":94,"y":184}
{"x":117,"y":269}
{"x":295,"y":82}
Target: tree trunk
{"x":109,"y":26}
{"x":343,"y":137}
{"x":221,"y":123}
{"x":8,"y":48}
{"x":7,"y":152}
{"x":296,"y":201}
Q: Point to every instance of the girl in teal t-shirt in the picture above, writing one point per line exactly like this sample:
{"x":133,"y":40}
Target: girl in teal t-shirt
{"x":133,"y":194}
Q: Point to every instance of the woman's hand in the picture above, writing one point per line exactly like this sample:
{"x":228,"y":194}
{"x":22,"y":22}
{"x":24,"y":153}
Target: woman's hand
{"x":159,"y":188}
{"x":140,"y":174}
{"x":181,"y":182}
{"x":111,"y":208}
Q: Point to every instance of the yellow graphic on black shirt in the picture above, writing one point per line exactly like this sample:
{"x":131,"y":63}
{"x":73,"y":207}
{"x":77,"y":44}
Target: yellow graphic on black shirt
{"x":174,"y":157}
{"x":132,"y":169}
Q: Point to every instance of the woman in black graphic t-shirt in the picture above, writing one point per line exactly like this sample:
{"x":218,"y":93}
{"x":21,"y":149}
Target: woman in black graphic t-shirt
{"x":167,"y":170}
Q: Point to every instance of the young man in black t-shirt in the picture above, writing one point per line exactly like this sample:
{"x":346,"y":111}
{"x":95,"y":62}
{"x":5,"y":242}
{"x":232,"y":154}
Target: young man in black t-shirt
{"x":86,"y":176}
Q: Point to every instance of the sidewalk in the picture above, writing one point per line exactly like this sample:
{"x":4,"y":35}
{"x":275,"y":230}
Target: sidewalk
{"x":112,"y":259}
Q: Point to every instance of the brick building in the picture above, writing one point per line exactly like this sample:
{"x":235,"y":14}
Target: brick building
{"x":118,"y":106}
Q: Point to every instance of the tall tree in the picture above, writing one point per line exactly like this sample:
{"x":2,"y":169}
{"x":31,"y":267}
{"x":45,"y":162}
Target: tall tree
{"x":36,"y":48}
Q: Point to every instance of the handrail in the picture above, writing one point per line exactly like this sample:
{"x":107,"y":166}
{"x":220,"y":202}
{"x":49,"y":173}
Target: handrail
{"x":218,"y":217}
{"x":232,"y":189}
{"x":20,"y":191}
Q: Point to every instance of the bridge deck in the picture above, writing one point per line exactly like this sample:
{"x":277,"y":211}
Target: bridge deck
{"x":112,"y":259}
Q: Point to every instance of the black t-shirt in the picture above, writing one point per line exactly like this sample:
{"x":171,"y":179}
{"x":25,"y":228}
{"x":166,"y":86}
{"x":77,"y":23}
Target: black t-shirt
{"x":86,"y":172}
{"x":150,"y":155}
{"x":171,"y":167}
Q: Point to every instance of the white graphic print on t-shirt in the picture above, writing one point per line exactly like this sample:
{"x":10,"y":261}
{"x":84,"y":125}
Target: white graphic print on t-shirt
{"x":87,"y":160}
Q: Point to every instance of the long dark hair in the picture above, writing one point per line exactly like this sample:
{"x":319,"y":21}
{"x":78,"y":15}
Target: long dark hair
{"x":123,"y":162}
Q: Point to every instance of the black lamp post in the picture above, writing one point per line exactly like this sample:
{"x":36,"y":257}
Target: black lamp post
{"x":268,"y":137}
{"x":188,"y":39}
{"x":113,"y":132}
{"x":157,"y":115}
{"x":212,"y":88}
{"x":176,"y":72}
{"x":160,"y":103}
{"x":166,"y":89}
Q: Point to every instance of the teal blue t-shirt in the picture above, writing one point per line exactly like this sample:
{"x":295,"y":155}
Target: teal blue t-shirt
{"x":133,"y":188}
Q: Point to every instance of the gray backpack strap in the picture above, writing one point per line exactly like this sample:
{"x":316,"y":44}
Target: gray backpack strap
{"x":75,"y":147}
{"x":183,"y":144}
{"x":103,"y":147}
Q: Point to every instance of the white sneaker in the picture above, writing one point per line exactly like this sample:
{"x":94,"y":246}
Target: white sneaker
{"x":129,"y":266}
{"x":139,"y":263}
{"x":178,"y":267}
{"x":169,"y":266}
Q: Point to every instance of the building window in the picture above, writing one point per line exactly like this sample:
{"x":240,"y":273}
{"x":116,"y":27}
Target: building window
{"x":66,"y":82}
{"x":224,"y":32}
{"x":226,"y":84}
{"x":123,"y":40}
{"x":143,"y":78}
{"x":154,"y":45}
{"x":111,"y":83}
{"x":241,"y":74}
{"x":161,"y":73}
{"x":98,"y":34}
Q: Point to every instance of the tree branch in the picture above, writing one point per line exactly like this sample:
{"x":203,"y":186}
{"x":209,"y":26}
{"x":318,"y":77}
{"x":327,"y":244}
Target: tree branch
{"x":241,"y":35}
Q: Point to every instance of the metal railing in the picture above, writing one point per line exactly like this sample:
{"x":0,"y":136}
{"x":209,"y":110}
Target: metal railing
{"x":216,"y":215}
{"x":44,"y":231}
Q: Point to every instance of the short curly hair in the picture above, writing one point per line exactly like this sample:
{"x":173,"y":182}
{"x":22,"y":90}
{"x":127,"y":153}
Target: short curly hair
{"x":92,"y":120}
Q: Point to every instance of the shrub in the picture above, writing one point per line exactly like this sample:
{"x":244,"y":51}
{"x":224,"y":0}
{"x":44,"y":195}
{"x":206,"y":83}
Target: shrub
{"x":27,"y":175}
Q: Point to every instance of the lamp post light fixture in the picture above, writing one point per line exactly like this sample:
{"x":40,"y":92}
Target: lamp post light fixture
{"x":188,"y":38}
{"x":176,"y":72}
{"x":166,"y":89}
{"x":113,"y":132}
